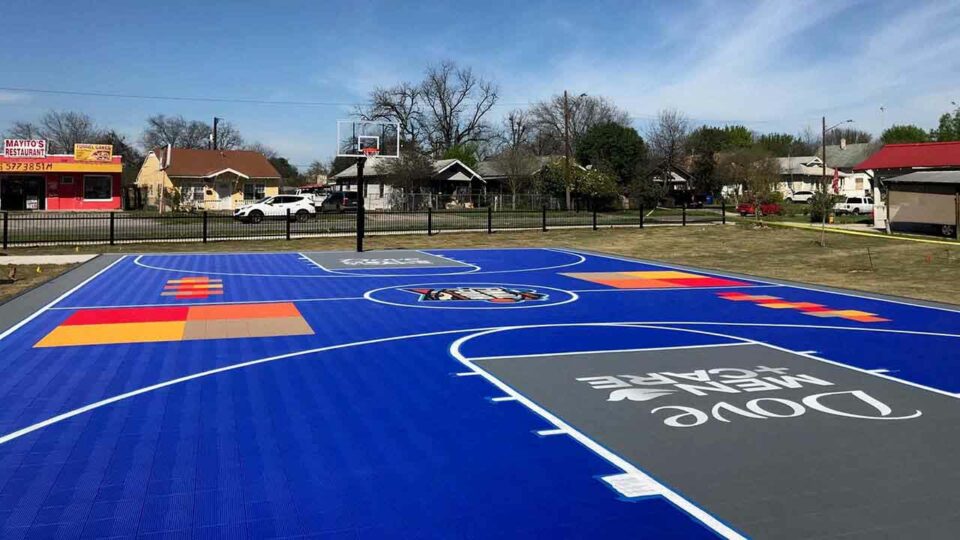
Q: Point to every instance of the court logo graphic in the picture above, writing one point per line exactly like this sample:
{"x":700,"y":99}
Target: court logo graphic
{"x":493,"y":295}
{"x":404,"y":261}
{"x":685,"y":407}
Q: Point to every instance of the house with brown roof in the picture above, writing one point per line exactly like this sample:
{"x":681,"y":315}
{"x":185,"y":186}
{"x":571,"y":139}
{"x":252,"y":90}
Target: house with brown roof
{"x":182,"y":178}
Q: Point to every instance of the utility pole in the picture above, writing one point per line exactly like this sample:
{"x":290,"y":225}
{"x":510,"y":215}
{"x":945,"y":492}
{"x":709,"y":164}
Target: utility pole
{"x":823,"y":183}
{"x":216,"y":121}
{"x":566,"y":147}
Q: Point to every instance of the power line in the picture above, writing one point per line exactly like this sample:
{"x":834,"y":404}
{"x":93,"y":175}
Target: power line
{"x":205,"y":99}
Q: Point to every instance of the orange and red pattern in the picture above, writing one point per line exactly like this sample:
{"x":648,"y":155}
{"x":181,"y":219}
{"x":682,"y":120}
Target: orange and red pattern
{"x":106,"y":326}
{"x":193,"y":287}
{"x":658,"y":279}
{"x":807,"y":308}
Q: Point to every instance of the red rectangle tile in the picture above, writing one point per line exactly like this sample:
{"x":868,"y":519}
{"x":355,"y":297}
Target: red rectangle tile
{"x":127,"y":315}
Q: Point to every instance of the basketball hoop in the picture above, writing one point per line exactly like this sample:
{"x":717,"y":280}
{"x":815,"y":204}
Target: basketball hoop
{"x":370,"y":151}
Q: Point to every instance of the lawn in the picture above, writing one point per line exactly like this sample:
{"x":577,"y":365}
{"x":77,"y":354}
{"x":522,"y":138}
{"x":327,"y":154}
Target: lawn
{"x":870,"y":264}
{"x":28,"y":277}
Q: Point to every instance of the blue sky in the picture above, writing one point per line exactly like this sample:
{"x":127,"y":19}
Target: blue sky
{"x":773,"y":66}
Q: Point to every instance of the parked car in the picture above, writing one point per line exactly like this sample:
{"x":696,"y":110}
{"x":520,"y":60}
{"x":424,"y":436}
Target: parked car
{"x":298,"y":207}
{"x":800,"y":197}
{"x":766,"y":209}
{"x":854,"y":205}
{"x":316,"y":194}
{"x":340,"y":201}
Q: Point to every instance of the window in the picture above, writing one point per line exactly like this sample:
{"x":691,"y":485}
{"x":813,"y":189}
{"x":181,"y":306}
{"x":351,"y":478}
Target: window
{"x":66,"y":180}
{"x":854,"y":201}
{"x":192,"y":192}
{"x":859,"y":183}
{"x":253,"y":192}
{"x":97,"y":188}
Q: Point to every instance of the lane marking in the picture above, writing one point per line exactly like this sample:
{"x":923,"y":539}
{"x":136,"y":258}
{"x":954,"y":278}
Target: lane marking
{"x":466,"y":374}
{"x":760,"y":280}
{"x":501,"y":399}
{"x":549,"y":432}
{"x":881,"y":370}
{"x":676,"y":289}
{"x":573,"y":353}
{"x":37,"y":313}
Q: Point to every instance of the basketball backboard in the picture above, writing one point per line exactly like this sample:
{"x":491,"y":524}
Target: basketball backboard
{"x":359,"y":138}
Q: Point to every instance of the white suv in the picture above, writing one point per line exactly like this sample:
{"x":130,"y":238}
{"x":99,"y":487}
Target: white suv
{"x":854,"y":205}
{"x":298,"y":207}
{"x":800,"y":197}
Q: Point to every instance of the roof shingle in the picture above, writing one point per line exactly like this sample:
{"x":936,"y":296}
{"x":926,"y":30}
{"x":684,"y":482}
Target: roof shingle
{"x":186,"y":162}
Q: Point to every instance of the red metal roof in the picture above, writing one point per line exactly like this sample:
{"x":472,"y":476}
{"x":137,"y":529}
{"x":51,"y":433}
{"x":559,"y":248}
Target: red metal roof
{"x":907,"y":156}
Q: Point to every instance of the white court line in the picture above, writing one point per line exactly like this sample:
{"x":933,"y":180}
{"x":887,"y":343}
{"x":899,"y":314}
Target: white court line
{"x":231,"y":367}
{"x":688,"y":506}
{"x":236,"y":302}
{"x":760,"y":280}
{"x":314,"y":263}
{"x":503,"y":398}
{"x":809,"y":352}
{"x":50,"y":305}
{"x":549,"y":432}
{"x":466,"y":374}
{"x":881,"y":370}
{"x":574,"y":353}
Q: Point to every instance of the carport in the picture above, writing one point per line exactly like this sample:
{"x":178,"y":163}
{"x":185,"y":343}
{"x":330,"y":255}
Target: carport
{"x":925,"y":201}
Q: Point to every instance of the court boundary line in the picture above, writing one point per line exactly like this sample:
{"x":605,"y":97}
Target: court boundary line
{"x":60,"y":298}
{"x":229,"y":303}
{"x":775,"y":281}
{"x":606,"y":351}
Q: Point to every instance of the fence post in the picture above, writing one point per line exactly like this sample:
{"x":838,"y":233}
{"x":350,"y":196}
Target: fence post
{"x":112,"y":234}
{"x":684,"y":214}
{"x":489,"y":219}
{"x":204,"y":226}
{"x":429,"y":221}
{"x":641,"y":215}
{"x":6,"y":228}
{"x":723,"y":210}
{"x":956,"y":224}
{"x":543,"y":218}
{"x":594,"y":205}
{"x":288,"y":223}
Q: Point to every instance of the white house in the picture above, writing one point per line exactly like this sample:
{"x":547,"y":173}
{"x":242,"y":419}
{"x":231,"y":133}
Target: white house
{"x":451,"y":183}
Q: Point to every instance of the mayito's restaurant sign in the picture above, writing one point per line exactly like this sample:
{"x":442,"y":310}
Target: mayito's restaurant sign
{"x":24,"y":148}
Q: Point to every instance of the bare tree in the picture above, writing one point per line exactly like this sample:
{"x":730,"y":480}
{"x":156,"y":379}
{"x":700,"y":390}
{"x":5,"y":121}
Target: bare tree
{"x":456,"y":101}
{"x":447,"y":109}
{"x":401,"y":103}
{"x":23,"y":130}
{"x":667,"y":137}
{"x":178,"y":132}
{"x":584,"y":113}
{"x":257,"y":146}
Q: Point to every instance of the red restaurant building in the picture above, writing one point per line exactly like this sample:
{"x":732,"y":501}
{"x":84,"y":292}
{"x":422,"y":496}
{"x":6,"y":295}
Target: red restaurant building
{"x":88,"y":179}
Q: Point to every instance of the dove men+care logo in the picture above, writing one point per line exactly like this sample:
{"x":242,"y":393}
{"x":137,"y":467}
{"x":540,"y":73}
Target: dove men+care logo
{"x":493,"y":295}
{"x":686,"y":399}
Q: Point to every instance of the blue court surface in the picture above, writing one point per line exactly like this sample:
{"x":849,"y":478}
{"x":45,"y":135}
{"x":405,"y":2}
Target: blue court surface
{"x":514,"y":393}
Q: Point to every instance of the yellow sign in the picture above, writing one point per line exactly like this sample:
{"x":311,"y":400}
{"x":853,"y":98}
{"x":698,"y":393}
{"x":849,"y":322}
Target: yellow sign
{"x":6,"y":166}
{"x":93,"y":152}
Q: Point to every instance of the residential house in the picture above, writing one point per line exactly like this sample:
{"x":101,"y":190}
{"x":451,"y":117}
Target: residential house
{"x":451,"y":183}
{"x":802,"y":173}
{"x":845,"y":157}
{"x":898,"y":160}
{"x":206,"y":179}
{"x":497,"y":176}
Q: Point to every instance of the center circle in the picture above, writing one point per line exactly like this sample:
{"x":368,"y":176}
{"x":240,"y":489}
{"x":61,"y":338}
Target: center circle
{"x":459,"y":295}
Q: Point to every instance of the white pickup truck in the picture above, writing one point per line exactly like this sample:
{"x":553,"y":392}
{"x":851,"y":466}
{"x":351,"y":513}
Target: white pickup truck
{"x":854,"y":205}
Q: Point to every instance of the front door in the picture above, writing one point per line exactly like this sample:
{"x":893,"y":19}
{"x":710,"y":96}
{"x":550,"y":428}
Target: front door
{"x":225,"y":193}
{"x":19,"y":192}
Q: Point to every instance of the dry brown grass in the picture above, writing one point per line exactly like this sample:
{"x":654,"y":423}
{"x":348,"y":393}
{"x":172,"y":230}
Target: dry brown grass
{"x":28,"y":277}
{"x":910,"y":269}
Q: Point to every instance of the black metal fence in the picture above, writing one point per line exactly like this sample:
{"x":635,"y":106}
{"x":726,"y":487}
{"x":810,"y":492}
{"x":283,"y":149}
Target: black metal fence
{"x":49,"y":228}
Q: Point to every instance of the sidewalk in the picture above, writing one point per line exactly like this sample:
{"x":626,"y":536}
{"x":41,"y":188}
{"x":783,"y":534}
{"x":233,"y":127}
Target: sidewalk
{"x":29,"y":260}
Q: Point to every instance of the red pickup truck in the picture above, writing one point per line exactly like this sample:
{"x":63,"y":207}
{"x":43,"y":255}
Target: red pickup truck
{"x":766,"y":209}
